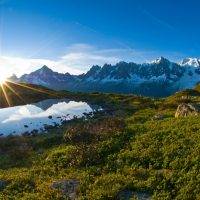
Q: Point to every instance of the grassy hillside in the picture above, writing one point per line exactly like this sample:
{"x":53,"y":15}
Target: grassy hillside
{"x":15,"y":94}
{"x":127,"y":152}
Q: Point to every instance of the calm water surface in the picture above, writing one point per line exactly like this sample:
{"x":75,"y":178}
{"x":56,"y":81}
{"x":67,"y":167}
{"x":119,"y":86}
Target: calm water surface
{"x":37,"y":117}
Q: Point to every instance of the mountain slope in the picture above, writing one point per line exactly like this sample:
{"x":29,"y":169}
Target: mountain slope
{"x":12,"y":94}
{"x":158,"y":78}
{"x":48,"y":78}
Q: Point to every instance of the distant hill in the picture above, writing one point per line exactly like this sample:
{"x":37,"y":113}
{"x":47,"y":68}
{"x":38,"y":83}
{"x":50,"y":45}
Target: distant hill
{"x":12,"y":94}
{"x":158,"y":78}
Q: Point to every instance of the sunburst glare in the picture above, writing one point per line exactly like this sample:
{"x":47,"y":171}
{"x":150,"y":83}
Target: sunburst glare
{"x":2,"y":79}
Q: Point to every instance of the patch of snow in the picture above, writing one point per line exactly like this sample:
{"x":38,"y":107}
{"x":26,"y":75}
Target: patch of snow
{"x":158,"y":60}
{"x":158,"y":78}
{"x":195,"y":62}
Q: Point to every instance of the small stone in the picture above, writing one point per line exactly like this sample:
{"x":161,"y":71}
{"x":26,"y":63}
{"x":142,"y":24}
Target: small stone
{"x":158,"y":117}
{"x":68,"y":188}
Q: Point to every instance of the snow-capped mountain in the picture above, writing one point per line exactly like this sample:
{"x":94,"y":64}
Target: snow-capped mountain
{"x":194,"y":62}
{"x":47,"y":77}
{"x":158,"y":78}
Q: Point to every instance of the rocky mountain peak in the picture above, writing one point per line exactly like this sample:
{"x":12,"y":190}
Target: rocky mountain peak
{"x":45,"y":69}
{"x":13,"y":78}
{"x":161,"y":60}
{"x":95,"y":68}
{"x":190,"y":62}
{"x":93,"y":71}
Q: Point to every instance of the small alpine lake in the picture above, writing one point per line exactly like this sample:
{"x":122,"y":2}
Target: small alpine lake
{"x":38,"y":117}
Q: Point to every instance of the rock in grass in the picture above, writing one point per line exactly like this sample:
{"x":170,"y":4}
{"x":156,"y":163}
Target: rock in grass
{"x":158,"y":117}
{"x":69,"y":188}
{"x":185,"y":110}
{"x":2,"y":184}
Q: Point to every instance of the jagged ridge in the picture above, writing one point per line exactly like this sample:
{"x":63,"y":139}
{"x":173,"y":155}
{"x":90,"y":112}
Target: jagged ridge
{"x":158,"y":78}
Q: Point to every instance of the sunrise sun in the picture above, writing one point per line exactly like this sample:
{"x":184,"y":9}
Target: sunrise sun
{"x":2,"y":79}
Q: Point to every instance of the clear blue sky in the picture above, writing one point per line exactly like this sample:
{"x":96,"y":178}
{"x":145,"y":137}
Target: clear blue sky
{"x":135,"y":30}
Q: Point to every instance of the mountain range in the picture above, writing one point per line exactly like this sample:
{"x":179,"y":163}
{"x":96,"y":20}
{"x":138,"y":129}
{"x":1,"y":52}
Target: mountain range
{"x":158,"y":78}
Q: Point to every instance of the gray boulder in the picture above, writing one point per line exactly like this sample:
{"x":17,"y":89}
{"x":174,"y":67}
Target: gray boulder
{"x":69,"y":188}
{"x":185,"y":110}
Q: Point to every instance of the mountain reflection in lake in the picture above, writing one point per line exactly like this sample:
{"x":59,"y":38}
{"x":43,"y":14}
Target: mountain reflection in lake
{"x":37,"y":117}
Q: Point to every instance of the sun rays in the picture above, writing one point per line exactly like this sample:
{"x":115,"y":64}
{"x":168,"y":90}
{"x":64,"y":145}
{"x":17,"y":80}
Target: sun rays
{"x":8,"y":90}
{"x":6,"y":97}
